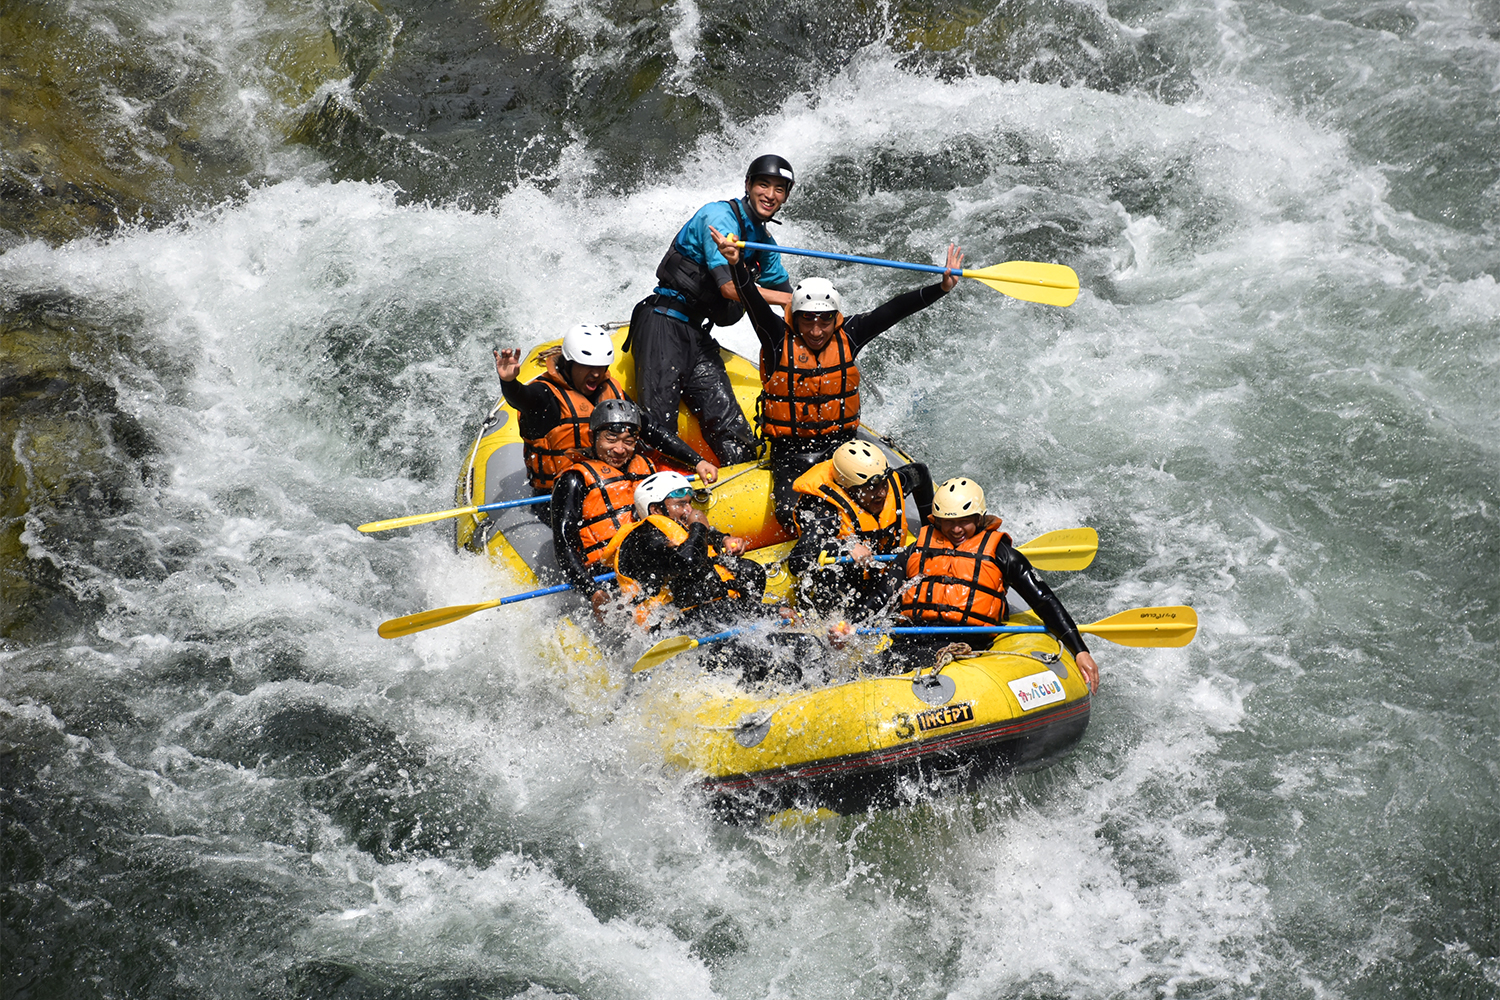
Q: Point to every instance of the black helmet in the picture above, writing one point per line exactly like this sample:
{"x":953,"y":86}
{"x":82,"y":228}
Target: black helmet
{"x":771,"y":165}
{"x":615,"y":413}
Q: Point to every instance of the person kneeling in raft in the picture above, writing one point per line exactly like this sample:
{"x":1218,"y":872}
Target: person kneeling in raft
{"x":853,"y":505}
{"x":671,"y":562}
{"x":594,"y":497}
{"x":957,"y":572}
{"x":554,"y":408}
{"x":809,"y":401}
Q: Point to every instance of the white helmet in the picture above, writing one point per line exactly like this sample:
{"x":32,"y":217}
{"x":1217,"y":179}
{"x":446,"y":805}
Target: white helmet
{"x":856,"y":463}
{"x":589,"y":345}
{"x":654,"y":489}
{"x":958,"y":498}
{"x":816,"y":295}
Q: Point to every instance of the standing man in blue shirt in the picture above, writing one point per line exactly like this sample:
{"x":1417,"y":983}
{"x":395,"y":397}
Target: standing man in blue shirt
{"x":671,"y":336}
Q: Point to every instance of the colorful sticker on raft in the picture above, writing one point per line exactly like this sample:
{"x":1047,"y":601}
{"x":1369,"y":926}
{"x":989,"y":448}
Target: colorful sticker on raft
{"x":948,"y":715}
{"x":1038,"y":690}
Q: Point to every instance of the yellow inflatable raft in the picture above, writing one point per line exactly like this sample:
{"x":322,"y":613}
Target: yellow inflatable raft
{"x":843,"y":740}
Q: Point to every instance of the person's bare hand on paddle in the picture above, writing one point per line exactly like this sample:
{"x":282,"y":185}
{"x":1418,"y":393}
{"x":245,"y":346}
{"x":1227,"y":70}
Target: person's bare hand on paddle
{"x":727,"y":245}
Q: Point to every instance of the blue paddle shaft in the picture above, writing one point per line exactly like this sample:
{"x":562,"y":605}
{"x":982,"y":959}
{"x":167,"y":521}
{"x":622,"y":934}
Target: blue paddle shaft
{"x":514,"y":503}
{"x":903,"y":630}
{"x":966,"y":629}
{"x":558,"y":589}
{"x":719,"y":636}
{"x":853,"y":259}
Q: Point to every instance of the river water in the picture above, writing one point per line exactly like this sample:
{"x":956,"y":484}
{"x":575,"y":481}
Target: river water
{"x":1275,"y":399}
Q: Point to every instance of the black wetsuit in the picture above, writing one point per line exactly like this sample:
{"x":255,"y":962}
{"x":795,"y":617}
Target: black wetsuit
{"x":688,"y":571}
{"x":856,"y":591}
{"x":792,"y":456}
{"x":908,"y":651}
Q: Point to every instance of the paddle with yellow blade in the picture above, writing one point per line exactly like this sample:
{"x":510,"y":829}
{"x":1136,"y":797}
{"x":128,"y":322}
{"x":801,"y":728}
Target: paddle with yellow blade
{"x":411,"y":519}
{"x":1064,"y":549}
{"x":414,"y":519}
{"x":1027,"y":280}
{"x":1160,"y":628}
{"x":395,"y":628}
{"x":1154,"y":627}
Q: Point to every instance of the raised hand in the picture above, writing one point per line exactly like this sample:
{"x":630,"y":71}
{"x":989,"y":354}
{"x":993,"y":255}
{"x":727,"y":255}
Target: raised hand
{"x":955,"y":262}
{"x":508,"y":364}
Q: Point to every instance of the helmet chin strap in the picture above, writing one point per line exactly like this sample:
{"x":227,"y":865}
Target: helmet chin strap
{"x":750,"y":207}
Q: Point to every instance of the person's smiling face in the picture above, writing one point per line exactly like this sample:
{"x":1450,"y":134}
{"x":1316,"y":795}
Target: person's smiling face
{"x":765,"y":196}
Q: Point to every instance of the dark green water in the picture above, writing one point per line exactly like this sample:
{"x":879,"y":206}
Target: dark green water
{"x":1275,"y":399}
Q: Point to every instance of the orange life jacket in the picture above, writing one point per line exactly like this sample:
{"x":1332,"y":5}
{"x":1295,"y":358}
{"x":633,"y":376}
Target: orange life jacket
{"x":809,"y":395}
{"x":881,"y":532}
{"x":646,"y":605}
{"x":959,"y":585}
{"x":609,"y":503}
{"x":547,"y":456}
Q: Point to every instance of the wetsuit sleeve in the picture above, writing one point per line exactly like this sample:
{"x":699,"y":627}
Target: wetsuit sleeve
{"x":669,"y":444}
{"x":567,"y":516}
{"x":867,"y":326}
{"x":696,"y":581}
{"x":819,"y":523}
{"x":646,"y":556}
{"x":768,"y":326}
{"x":1021,"y":575}
{"x":916,"y":482}
{"x":536,"y":405}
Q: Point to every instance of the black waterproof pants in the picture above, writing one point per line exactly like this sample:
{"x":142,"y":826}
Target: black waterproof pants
{"x":790,"y":457}
{"x":676,"y":361}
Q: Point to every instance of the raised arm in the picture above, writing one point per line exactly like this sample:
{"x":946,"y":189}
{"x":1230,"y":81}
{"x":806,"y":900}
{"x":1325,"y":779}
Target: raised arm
{"x":536,"y":406}
{"x":867,"y":326}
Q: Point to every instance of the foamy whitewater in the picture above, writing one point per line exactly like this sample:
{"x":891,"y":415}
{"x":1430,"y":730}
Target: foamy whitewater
{"x":1275,"y":399}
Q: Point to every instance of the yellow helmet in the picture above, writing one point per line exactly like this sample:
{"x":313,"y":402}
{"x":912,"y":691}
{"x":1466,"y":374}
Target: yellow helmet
{"x":856,"y":463}
{"x":958,"y":498}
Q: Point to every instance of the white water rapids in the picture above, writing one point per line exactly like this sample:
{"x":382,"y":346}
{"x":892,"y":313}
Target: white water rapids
{"x":1275,"y":400}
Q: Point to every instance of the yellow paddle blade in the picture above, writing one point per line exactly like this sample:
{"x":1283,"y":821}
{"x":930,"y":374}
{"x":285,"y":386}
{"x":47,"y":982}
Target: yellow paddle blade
{"x":664,"y":651}
{"x":1049,"y":284}
{"x":1159,"y":627}
{"x":395,"y":628}
{"x":411,"y":519}
{"x":1068,"y":548}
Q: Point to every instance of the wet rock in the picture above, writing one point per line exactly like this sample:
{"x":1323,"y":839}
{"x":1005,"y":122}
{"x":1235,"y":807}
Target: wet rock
{"x":73,"y":457}
{"x":394,"y":802}
{"x":301,"y":739}
{"x":105,"y":120}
